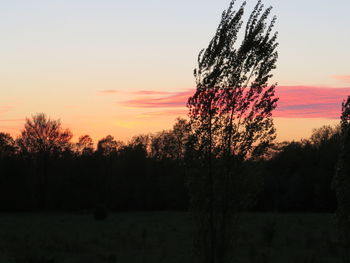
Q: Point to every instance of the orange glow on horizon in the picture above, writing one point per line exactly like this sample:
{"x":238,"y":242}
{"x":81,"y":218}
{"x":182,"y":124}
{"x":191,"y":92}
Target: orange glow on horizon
{"x":120,"y":114}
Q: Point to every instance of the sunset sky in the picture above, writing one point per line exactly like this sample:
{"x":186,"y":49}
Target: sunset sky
{"x":126,"y":67}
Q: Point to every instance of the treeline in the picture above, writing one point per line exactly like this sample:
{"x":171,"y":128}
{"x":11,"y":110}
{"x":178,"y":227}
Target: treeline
{"x":43,"y":170}
{"x":299,"y":175}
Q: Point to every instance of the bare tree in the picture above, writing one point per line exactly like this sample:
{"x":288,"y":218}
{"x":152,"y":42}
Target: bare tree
{"x":231,"y":121}
{"x":43,"y":138}
{"x":42,"y":135}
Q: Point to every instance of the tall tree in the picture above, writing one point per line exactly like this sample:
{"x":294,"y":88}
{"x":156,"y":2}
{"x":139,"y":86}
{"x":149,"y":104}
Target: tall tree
{"x":181,"y":131}
{"x":231,"y":121}
{"x":43,"y":138}
{"x":341,"y":183}
{"x":107,"y":148}
{"x":42,"y":135}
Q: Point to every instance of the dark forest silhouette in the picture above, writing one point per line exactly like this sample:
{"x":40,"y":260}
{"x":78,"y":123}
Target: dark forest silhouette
{"x":150,"y":172}
{"x":43,"y":170}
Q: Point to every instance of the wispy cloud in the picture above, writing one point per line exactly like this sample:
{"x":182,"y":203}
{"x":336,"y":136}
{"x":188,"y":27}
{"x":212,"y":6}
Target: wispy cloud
{"x":161,"y":113}
{"x":150,"y":92}
{"x":342,"y":78}
{"x":174,"y":100}
{"x":294,"y":102}
{"x":4,"y":109}
{"x":109,"y":91}
{"x":12,"y":120}
{"x":137,"y":92}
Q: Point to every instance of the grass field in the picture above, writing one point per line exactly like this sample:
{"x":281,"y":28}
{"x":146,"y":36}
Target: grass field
{"x":160,"y":237}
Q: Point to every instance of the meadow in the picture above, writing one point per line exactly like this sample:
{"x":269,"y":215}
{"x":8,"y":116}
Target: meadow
{"x":160,"y":237}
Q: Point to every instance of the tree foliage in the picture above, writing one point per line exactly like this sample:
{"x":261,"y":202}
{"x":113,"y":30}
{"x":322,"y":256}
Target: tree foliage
{"x":108,"y":145}
{"x":231,"y":121}
{"x":7,"y":145}
{"x":233,"y":96}
{"x":85,"y":145}
{"x":171,"y":144}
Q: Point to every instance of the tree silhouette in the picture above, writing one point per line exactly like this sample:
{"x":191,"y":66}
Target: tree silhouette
{"x":341,"y":183}
{"x":84,"y":146}
{"x":43,"y":139}
{"x":170,"y":144}
{"x":323,"y":134}
{"x":7,"y":145}
{"x":296,"y":176}
{"x":41,"y":135}
{"x":181,"y":132}
{"x":163,"y":145}
{"x":108,"y":145}
{"x":231,"y":121}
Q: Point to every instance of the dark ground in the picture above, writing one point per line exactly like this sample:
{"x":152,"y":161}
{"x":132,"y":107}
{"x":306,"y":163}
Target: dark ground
{"x":160,"y":237}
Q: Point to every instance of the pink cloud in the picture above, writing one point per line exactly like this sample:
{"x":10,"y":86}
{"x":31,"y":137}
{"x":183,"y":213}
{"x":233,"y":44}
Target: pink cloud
{"x":310,"y":102}
{"x":294,"y":102}
{"x":342,"y":78}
